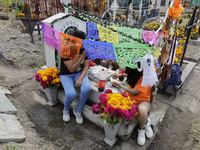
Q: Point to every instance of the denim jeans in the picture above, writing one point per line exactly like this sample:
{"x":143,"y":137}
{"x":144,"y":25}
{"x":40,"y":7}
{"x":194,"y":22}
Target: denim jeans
{"x":68,"y":82}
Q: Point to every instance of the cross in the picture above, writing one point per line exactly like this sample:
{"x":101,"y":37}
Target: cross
{"x":114,"y":6}
{"x":192,"y":24}
{"x":66,"y":2}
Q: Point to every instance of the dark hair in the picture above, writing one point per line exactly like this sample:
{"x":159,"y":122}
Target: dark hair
{"x":133,"y":75}
{"x":79,"y":34}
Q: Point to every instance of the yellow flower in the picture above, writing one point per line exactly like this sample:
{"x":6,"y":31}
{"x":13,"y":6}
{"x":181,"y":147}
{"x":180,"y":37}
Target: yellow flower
{"x":44,"y":78}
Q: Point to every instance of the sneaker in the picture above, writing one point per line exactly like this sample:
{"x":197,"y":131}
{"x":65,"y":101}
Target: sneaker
{"x":141,"y":137}
{"x":66,"y":116}
{"x":79,"y":118}
{"x":148,"y":129}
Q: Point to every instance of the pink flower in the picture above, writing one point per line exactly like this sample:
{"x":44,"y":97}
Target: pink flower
{"x":37,"y":76}
{"x":128,"y":117}
{"x":106,"y":110}
{"x":96,"y":109}
{"x":49,"y":78}
{"x":108,"y":91}
{"x":104,"y":101}
{"x":120,"y":113}
{"x":132,"y":111}
{"x":111,"y":109}
{"x":44,"y":84}
{"x":124,"y":95}
{"x":102,"y":96}
{"x":102,"y":110}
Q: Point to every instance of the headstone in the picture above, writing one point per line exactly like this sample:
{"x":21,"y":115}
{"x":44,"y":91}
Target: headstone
{"x":130,"y":15}
{"x":114,"y":6}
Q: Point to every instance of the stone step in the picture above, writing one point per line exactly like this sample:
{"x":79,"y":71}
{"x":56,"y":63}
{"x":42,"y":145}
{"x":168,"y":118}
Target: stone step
{"x":10,"y":129}
{"x":6,"y":106}
{"x":126,"y":129}
{"x":4,"y":90}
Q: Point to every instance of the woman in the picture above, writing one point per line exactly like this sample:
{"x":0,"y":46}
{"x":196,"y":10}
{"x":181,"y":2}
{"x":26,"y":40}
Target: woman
{"x":142,"y":97}
{"x":73,"y":74}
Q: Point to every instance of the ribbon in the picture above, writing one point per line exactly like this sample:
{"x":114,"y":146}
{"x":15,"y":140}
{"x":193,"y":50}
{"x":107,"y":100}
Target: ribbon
{"x":92,"y":30}
{"x":51,"y":37}
{"x":70,"y":46}
{"x":100,"y":50}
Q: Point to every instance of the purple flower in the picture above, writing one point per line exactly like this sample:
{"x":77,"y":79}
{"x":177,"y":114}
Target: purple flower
{"x":106,"y":110}
{"x":124,"y":95}
{"x":128,"y":117}
{"x":49,"y":78}
{"x":108,"y":91}
{"x":96,"y":108}
{"x":37,"y":76}
{"x":132,"y":111}
{"x":44,"y":84}
{"x":120,"y":113}
{"x":102,"y":96}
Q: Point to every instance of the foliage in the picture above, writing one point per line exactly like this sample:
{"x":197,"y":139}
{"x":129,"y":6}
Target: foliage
{"x":193,"y":34}
{"x":48,"y":77}
{"x":10,"y":148}
{"x":114,"y":107}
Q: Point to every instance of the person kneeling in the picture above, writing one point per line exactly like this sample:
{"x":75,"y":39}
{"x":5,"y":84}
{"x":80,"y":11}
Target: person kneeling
{"x":141,"y":95}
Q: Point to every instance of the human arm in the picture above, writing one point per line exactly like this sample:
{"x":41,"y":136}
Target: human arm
{"x":73,"y":66}
{"x":83,"y":73}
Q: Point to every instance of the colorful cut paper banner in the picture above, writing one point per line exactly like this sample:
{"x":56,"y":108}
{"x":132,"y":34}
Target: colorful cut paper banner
{"x":92,"y":30}
{"x":149,"y":36}
{"x":125,"y":53}
{"x":51,"y":37}
{"x":107,"y":35}
{"x":135,"y":33}
{"x":70,"y":46}
{"x":149,"y":12}
{"x":101,"y":50}
{"x":42,"y":25}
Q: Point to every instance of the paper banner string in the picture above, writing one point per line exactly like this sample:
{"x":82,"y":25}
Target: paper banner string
{"x":108,"y":35}
{"x":92,"y":30}
{"x":51,"y":37}
{"x":70,"y":46}
{"x":101,"y":50}
{"x":149,"y":36}
{"x":158,"y":64}
{"x":157,"y":52}
{"x":125,"y":53}
{"x":149,"y":12}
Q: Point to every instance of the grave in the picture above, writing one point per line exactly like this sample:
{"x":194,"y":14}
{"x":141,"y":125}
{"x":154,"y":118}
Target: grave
{"x":69,"y":23}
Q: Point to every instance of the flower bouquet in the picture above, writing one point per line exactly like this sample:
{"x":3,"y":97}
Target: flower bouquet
{"x":114,"y":107}
{"x":48,"y":77}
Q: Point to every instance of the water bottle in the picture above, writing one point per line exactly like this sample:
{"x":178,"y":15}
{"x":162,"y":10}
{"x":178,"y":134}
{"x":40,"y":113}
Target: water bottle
{"x":102,"y":82}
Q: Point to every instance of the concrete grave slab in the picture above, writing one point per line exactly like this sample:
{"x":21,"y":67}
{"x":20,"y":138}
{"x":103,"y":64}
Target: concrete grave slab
{"x":6,"y":106}
{"x":10,"y":129}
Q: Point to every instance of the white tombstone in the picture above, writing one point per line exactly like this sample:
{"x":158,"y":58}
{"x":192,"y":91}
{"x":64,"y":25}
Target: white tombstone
{"x":68,"y":23}
{"x":130,"y":15}
{"x":140,"y":13}
{"x":114,"y":6}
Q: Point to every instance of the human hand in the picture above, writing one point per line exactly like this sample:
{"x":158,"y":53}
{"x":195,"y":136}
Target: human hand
{"x":115,"y":76}
{"x":83,"y":54}
{"x":78,"y":83}
{"x":116,"y":83}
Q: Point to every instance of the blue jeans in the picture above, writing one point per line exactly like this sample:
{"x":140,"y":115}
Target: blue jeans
{"x":68,"y":82}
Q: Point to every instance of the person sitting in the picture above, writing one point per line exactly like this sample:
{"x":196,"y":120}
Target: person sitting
{"x":141,"y":95}
{"x":73,"y":74}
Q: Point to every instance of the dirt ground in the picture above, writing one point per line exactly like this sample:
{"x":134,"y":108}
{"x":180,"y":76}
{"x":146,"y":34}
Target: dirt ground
{"x":179,"y":129}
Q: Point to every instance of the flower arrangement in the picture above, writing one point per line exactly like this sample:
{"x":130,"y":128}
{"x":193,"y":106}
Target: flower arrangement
{"x":48,"y":77}
{"x":186,"y":3}
{"x":193,"y":35}
{"x":33,"y":16}
{"x":114,"y":107}
{"x":152,"y":26}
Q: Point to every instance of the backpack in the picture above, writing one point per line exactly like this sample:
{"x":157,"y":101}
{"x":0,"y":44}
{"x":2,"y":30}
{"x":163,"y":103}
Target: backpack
{"x":175,"y":78}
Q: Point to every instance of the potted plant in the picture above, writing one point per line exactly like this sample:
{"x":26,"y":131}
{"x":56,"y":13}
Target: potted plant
{"x":50,"y":81}
{"x":113,"y":108}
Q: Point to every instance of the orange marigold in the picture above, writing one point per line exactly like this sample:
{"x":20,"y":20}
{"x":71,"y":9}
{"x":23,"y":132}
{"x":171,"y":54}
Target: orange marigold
{"x":177,"y":3}
{"x":175,"y":12}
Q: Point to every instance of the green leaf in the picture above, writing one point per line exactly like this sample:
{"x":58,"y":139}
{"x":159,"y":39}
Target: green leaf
{"x":104,"y":121}
{"x":111,"y":127}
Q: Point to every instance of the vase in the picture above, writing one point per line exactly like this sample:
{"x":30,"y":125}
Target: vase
{"x":51,"y":94}
{"x":110,"y":138}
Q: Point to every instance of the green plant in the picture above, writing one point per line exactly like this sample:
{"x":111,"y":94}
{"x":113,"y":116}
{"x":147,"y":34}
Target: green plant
{"x":10,"y":148}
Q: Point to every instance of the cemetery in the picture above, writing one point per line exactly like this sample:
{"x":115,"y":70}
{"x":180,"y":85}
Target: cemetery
{"x":134,"y":34}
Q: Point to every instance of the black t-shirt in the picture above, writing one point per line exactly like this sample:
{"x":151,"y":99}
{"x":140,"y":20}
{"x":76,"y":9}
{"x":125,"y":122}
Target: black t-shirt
{"x":64,"y":70}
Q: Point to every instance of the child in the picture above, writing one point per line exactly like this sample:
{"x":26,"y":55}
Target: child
{"x":141,"y":95}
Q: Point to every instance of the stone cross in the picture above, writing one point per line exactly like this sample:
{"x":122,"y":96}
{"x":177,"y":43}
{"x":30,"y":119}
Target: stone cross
{"x":140,"y":13}
{"x":66,"y":2}
{"x":114,"y":6}
{"x":130,"y":15}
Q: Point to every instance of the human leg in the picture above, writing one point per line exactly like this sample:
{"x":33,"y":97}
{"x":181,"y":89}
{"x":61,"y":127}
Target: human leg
{"x":85,"y":91}
{"x":70,"y":93}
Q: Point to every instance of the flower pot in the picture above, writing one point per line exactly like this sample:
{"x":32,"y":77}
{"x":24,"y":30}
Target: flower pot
{"x":110,"y":134}
{"x":51,"y":94}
